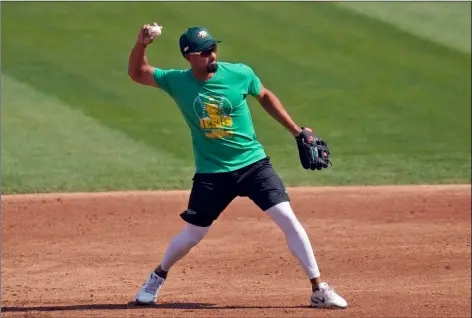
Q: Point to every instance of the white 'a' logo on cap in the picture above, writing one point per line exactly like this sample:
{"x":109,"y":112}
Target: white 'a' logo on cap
{"x":202,"y":34}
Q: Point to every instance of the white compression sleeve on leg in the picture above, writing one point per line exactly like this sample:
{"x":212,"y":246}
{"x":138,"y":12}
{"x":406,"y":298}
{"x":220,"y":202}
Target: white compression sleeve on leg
{"x":181,"y":244}
{"x":296,"y":237}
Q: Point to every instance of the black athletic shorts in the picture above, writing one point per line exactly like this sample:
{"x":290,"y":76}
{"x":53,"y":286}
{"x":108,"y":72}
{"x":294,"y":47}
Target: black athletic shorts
{"x":213,"y":192}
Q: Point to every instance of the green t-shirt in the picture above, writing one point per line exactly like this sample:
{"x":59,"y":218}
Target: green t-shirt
{"x":218,"y":115}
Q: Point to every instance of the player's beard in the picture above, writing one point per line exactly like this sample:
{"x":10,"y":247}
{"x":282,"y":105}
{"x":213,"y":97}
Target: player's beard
{"x":212,"y":67}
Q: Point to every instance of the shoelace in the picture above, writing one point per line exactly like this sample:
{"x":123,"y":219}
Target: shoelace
{"x":329,"y":292}
{"x":152,"y":285}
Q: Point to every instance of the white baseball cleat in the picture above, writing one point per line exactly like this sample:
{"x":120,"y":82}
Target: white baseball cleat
{"x":325,"y":297}
{"x":147,"y":294}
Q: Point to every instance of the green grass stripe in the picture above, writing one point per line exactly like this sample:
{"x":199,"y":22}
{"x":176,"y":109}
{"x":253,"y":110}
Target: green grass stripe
{"x":393,"y":106}
{"x":447,"y":22}
{"x":47,"y":146}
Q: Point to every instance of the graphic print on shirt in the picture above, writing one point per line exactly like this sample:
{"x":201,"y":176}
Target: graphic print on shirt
{"x":214,"y":112}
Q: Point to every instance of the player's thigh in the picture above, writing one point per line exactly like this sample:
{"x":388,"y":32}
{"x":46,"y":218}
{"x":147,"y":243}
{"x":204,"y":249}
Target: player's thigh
{"x":264,"y":186}
{"x":208,"y":198}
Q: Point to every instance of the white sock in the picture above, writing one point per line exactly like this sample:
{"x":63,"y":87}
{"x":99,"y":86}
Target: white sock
{"x":181,"y":244}
{"x":296,"y":237}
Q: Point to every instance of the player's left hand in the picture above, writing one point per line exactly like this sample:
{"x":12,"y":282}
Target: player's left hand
{"x":314,"y":152}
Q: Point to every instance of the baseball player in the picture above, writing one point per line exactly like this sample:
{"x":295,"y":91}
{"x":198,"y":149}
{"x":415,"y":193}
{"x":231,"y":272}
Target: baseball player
{"x":229,"y":160}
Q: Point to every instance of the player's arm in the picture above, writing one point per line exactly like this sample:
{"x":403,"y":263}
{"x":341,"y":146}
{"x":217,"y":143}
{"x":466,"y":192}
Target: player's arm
{"x":139,"y":69}
{"x":313,"y":151}
{"x":274,"y":107}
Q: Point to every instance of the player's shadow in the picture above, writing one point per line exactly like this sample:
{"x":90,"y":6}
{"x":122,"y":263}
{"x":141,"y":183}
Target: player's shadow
{"x":133,"y":305}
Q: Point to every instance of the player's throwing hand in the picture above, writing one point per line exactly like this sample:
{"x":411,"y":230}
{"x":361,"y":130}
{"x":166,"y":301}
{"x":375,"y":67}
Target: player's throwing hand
{"x":148,"y":32}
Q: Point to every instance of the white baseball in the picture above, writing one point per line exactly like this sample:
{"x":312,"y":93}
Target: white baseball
{"x":155,"y":31}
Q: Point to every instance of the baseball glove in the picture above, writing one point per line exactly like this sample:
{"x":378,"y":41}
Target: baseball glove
{"x":314,"y":152}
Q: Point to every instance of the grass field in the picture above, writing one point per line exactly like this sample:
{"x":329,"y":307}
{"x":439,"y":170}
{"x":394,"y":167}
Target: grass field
{"x":391,"y":95}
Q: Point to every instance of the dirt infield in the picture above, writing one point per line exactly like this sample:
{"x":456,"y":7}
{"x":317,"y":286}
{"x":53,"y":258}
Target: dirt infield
{"x":390,"y":251}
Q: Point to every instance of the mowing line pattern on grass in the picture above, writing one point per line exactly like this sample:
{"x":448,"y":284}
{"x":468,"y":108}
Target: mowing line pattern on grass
{"x":393,"y":105}
{"x":445,"y":22}
{"x":57,"y":148}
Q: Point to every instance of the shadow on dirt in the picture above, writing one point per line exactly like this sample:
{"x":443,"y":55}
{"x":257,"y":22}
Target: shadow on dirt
{"x":133,"y":305}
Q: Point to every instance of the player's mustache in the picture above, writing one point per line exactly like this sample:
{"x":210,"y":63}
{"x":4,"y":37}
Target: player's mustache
{"x":212,"y":66}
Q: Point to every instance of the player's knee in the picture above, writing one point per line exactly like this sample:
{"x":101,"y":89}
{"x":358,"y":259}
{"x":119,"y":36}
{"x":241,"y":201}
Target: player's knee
{"x":283,"y":215}
{"x":294,"y":228}
{"x":194,"y":241}
{"x":194,"y":234}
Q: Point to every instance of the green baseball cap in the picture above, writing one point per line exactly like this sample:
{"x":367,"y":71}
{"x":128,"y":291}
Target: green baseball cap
{"x":196,"y":39}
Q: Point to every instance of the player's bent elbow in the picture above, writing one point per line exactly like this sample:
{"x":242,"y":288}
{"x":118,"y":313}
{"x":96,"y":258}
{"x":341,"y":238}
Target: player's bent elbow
{"x":133,"y":76}
{"x":142,"y":78}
